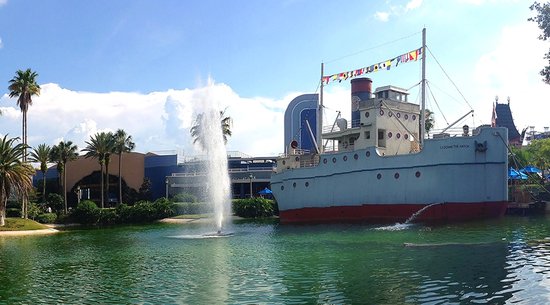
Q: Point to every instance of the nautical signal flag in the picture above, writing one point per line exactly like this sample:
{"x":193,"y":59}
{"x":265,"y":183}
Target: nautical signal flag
{"x":384,"y":65}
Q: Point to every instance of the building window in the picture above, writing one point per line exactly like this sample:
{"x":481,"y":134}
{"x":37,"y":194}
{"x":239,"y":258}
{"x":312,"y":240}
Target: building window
{"x":367,"y":134}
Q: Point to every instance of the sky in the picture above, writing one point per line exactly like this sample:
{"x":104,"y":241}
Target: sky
{"x":146,"y":66}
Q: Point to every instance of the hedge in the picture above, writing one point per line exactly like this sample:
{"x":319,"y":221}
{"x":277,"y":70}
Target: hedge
{"x":254,"y":207}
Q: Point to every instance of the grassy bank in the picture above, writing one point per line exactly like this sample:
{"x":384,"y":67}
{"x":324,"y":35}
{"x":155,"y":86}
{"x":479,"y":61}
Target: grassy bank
{"x":20,"y":224}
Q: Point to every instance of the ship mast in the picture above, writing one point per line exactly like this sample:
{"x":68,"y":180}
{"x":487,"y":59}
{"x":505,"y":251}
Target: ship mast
{"x":423,"y":96}
{"x":320,"y":113}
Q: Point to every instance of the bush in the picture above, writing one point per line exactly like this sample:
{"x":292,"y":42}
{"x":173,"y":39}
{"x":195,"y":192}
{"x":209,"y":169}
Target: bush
{"x":187,"y":208}
{"x":144,"y":211}
{"x":108,"y":216}
{"x":86,"y":212}
{"x":13,"y":212}
{"x":163,"y":208}
{"x":46,"y":218}
{"x":184,"y":197}
{"x":254,"y":207}
{"x":33,"y":210}
{"x":55,"y":201}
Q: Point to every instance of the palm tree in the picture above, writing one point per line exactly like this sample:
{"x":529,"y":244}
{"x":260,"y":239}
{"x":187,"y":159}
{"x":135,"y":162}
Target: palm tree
{"x":197,"y":129}
{"x":123,"y":143}
{"x":41,"y":154}
{"x":429,"y":121}
{"x":15,"y":175}
{"x":110,"y":150}
{"x":99,"y":146}
{"x":23,"y":86}
{"x":62,"y":153}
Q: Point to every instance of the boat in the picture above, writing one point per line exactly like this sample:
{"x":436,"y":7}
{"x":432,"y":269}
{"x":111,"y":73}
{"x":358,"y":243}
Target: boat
{"x":382,"y":168}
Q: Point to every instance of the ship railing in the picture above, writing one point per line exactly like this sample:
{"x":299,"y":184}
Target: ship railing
{"x":451,"y":132}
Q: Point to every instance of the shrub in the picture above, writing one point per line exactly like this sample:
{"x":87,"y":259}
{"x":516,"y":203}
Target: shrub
{"x":144,"y":211}
{"x":33,"y":210}
{"x":13,"y":212}
{"x":46,"y":218}
{"x":254,"y":207}
{"x":86,"y":212}
{"x":186,"y":208}
{"x":55,"y":201}
{"x":108,"y":216}
{"x":162,"y":208}
{"x":184,"y":197}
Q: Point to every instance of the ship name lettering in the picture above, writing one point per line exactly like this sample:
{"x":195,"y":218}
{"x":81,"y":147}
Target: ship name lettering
{"x":454,"y":146}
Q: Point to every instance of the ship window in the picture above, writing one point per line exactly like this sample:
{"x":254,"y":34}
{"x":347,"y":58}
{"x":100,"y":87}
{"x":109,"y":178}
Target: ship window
{"x":333,"y":160}
{"x":417,"y":174}
{"x":390,"y":134}
{"x":294,"y":184}
{"x":381,"y":139}
{"x":390,"y":114}
{"x":385,"y":94}
{"x":407,"y":117}
{"x":325,"y":160}
{"x":351,"y":141}
{"x":356,"y":156}
{"x":406,"y":136}
{"x":381,"y":134}
{"x":367,"y":114}
{"x":367,"y":134}
{"x":282,"y":187}
{"x":345,"y":158}
{"x":381,"y":112}
{"x":414,"y":117}
{"x":367,"y":154}
{"x":398,"y":135}
{"x":398,"y":115}
{"x":307,"y":184}
{"x":379,"y":176}
{"x":396,"y":176}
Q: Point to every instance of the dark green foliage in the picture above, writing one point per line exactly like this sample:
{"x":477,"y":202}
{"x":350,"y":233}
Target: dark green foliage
{"x":144,"y":211}
{"x":55,"y":201}
{"x":108,"y":216}
{"x":13,"y":212}
{"x":33,"y":210}
{"x":184,"y":197}
{"x":86,"y":212}
{"x":187,"y":208}
{"x":144,"y":192}
{"x":254,"y":207}
{"x":46,"y":218}
{"x":543,"y":21}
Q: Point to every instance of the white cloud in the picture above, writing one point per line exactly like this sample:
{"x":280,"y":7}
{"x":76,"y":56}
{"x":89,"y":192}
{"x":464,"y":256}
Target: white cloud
{"x":157,"y":121}
{"x":3,"y":2}
{"x":1,"y":43}
{"x":397,"y":10}
{"x":512,"y":69}
{"x":382,"y":16}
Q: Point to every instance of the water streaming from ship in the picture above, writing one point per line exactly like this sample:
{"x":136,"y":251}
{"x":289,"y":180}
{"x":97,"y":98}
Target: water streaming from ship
{"x":409,"y":222}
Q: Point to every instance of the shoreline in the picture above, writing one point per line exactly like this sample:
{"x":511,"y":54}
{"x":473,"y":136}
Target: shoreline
{"x":29,"y":232}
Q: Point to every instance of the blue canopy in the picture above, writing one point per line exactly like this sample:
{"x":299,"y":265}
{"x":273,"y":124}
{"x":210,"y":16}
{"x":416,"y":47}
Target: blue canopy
{"x":531,"y":170}
{"x":265,"y":191}
{"x":514,"y":174}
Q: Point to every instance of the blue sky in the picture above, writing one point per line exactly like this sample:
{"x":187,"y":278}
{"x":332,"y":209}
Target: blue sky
{"x":141,"y":65}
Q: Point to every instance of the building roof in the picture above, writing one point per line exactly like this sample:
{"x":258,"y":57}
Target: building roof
{"x":504,"y":119}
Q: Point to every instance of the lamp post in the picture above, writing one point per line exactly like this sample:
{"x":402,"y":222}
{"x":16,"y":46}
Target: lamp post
{"x":78,"y":192}
{"x":250,"y":177}
{"x":166,"y":182}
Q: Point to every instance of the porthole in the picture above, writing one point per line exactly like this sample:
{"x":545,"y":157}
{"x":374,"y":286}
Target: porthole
{"x":307,"y":184}
{"x":417,"y":174}
{"x":390,"y":114}
{"x":398,"y":135}
{"x":294,"y":184}
{"x":325,"y":160}
{"x":396,"y":175}
{"x":333,"y":160}
{"x":367,"y":154}
{"x":414,"y":117}
{"x":390,"y":134}
{"x":297,"y":159}
{"x":381,"y":112}
{"x":367,"y":114}
{"x":398,"y":115}
{"x":406,"y":136}
{"x":345,"y":158}
{"x":356,"y":156}
{"x":379,"y":176}
{"x":284,"y":162}
{"x":282,"y":187}
{"x":406,"y":116}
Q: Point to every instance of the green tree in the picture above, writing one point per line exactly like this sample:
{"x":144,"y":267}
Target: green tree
{"x":519,"y":157}
{"x":41,"y":154}
{"x":23,"y":86}
{"x":430,"y":121}
{"x":99,"y":146}
{"x":123,"y":144}
{"x":15,"y":175}
{"x":543,"y":21}
{"x":539,"y":151}
{"x":62,"y":153}
{"x":198,"y":128}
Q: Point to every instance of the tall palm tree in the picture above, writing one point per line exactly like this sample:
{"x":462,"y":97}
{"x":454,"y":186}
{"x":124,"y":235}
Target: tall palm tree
{"x":123,"y":143}
{"x":15,"y":175}
{"x":99,"y":146}
{"x":62,"y":153}
{"x":197,"y":129}
{"x":41,"y":154}
{"x":23,"y":86}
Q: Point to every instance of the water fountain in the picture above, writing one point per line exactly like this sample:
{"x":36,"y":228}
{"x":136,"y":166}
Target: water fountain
{"x":218,"y":185}
{"x":401,"y":226}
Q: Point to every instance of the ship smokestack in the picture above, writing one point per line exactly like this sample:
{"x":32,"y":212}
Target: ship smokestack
{"x":361,"y":89}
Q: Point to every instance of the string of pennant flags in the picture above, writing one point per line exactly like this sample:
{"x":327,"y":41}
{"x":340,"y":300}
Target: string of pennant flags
{"x":384,"y":65}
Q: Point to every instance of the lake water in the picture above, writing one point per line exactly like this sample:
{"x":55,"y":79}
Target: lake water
{"x":495,"y":262}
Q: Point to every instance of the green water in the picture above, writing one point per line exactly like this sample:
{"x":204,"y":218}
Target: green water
{"x":501,"y":261}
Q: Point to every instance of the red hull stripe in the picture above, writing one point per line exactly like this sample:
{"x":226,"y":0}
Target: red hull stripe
{"x":396,"y":212}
